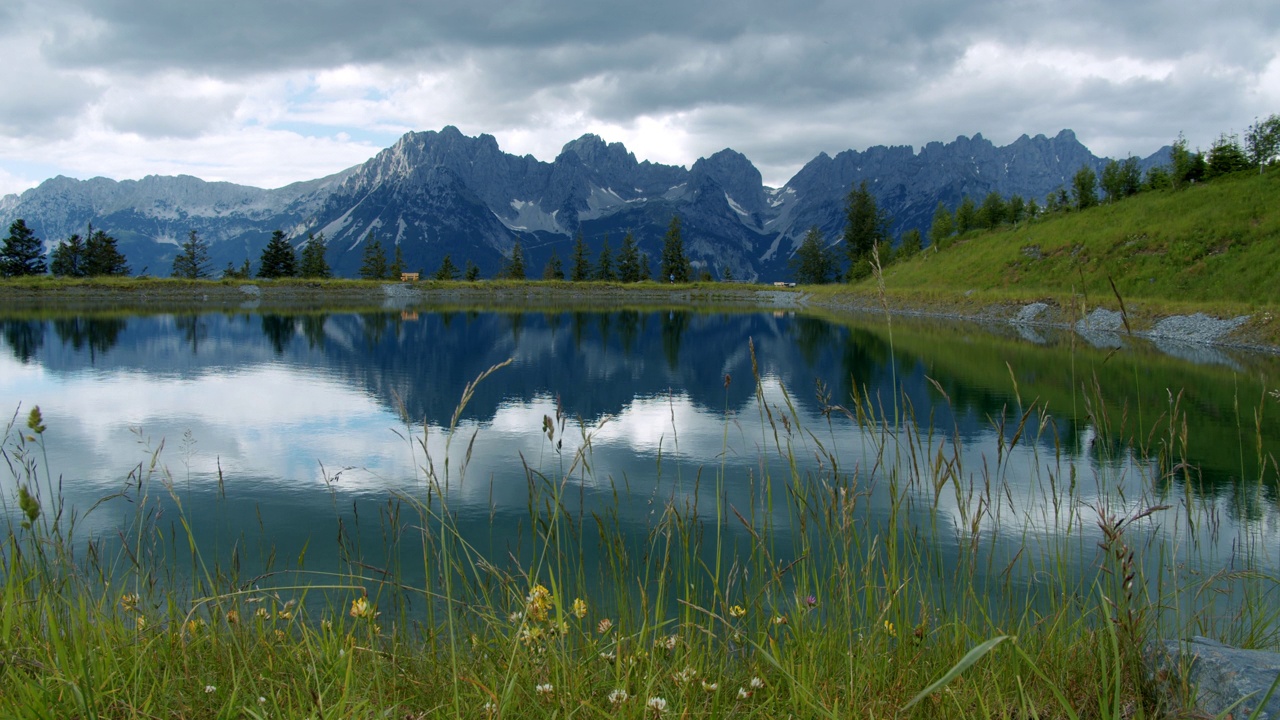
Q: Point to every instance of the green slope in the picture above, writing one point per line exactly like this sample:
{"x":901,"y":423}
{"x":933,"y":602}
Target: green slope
{"x":1213,"y":245}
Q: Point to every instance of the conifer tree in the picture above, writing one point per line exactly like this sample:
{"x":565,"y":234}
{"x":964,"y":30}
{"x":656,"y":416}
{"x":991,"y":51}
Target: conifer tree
{"x":554,"y":269}
{"x":278,"y":259}
{"x":374,"y":266}
{"x":192,"y":260}
{"x":67,"y":259}
{"x":645,"y":273}
{"x":447,"y":271}
{"x":604,"y":266}
{"x":22,"y":253}
{"x":472,"y":273}
{"x":581,"y":268}
{"x":813,"y":264}
{"x":313,"y":263}
{"x":515,"y":266}
{"x":397,"y":265}
{"x":102,"y":256}
{"x":866,"y":226}
{"x":628,"y":260}
{"x":675,"y":265}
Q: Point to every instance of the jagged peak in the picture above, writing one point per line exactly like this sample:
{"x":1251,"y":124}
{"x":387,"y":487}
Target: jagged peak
{"x":593,"y":151}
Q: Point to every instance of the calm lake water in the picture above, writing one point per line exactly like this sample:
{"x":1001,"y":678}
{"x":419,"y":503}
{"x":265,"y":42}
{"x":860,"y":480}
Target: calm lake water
{"x":289,"y":438}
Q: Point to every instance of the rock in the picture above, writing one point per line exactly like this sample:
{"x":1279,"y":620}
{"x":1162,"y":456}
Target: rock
{"x":1197,"y":328}
{"x":1100,"y":320}
{"x":1029,"y":313}
{"x":1220,"y":676}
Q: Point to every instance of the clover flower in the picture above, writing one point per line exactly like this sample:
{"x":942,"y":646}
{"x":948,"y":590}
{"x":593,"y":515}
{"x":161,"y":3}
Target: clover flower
{"x":657,"y":704}
{"x":537,"y":603}
{"x":685,"y":676}
{"x":360,"y":608}
{"x":604,"y":626}
{"x":545,"y":689}
{"x":209,"y":689}
{"x":618,"y":696}
{"x":710,"y":686}
{"x":756,"y":683}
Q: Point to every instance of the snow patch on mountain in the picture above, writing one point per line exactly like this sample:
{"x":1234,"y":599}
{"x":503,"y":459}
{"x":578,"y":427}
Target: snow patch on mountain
{"x":601,"y":202}
{"x":528,"y":217}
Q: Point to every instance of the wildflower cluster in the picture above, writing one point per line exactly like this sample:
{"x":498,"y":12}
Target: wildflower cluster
{"x":536,"y":621}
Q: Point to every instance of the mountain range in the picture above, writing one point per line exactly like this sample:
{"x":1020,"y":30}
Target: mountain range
{"x":437,"y":193}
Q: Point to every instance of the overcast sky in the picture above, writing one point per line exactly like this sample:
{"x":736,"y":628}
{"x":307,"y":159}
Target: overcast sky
{"x":267,"y":92}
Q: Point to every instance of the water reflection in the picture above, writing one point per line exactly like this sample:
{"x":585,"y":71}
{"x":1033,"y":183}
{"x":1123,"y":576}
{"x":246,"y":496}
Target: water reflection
{"x":305,"y":419}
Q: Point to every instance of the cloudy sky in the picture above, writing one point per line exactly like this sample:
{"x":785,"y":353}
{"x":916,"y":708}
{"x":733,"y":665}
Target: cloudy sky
{"x":267,"y":92}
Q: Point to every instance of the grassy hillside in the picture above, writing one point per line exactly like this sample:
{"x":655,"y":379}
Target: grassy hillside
{"x":1216,"y":245}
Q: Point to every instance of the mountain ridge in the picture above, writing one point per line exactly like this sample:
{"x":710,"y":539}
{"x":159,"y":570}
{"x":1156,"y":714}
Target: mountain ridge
{"x":436,"y":193}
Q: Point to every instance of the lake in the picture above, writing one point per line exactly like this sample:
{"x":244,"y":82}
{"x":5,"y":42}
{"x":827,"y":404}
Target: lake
{"x":322,"y":442}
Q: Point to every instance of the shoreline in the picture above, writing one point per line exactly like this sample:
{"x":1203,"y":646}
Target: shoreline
{"x":1102,"y":327}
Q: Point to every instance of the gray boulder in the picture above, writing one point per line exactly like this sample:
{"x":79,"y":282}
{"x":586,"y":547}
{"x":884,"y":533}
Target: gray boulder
{"x":1220,"y":676}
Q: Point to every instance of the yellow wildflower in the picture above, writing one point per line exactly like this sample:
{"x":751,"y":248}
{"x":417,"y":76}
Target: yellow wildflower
{"x":129,"y":602}
{"x":579,"y":608}
{"x":360,"y":608}
{"x":890,"y":630}
{"x":737,"y":611}
{"x":538,"y":603}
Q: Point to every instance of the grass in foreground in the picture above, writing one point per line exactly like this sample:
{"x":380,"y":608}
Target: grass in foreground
{"x":838,"y":611}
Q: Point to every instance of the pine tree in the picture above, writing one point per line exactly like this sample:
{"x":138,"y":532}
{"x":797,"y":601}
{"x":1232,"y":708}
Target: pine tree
{"x":1225,"y":157}
{"x":102,"y":257}
{"x":278,"y":258}
{"x":472,"y":273}
{"x":645,"y":273}
{"x":374,"y":266}
{"x":675,"y":265}
{"x":812,"y":264}
{"x":397,"y":265}
{"x":726,"y":274}
{"x":67,"y":259}
{"x":554,"y":269}
{"x":313,"y":263}
{"x":866,"y":227}
{"x":23,"y":253}
{"x":581,"y":268}
{"x":604,"y":266}
{"x":447,"y":271}
{"x":515,"y":267}
{"x":628,"y":260}
{"x":192,"y":260}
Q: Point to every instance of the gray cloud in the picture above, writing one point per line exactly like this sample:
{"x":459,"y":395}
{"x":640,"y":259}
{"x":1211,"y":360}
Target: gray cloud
{"x":776,"y":81}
